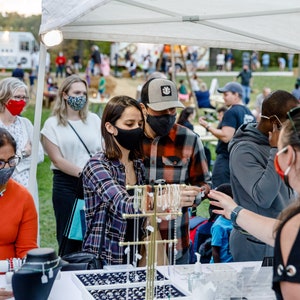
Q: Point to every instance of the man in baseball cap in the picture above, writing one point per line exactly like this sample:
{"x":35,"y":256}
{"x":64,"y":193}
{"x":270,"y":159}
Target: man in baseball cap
{"x":236,"y":115}
{"x":175,"y":154}
{"x":233,"y":87}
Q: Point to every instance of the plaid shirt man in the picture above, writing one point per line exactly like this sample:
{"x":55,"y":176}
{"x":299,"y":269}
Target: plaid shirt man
{"x":106,"y":201}
{"x":177,"y":158}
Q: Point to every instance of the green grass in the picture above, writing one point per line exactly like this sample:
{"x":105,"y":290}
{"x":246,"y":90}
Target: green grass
{"x":44,"y":175}
{"x":44,"y":178}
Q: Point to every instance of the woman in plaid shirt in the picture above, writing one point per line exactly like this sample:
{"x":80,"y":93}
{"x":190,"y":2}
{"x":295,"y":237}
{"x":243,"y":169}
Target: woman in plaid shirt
{"x":105,"y":178}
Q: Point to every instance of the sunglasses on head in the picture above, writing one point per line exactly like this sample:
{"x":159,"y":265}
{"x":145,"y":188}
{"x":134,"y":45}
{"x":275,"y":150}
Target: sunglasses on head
{"x":291,"y":114}
{"x":273,"y":117}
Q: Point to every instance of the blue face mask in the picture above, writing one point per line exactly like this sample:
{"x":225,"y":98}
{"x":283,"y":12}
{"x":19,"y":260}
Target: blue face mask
{"x":77,"y":103}
{"x":5,"y":174}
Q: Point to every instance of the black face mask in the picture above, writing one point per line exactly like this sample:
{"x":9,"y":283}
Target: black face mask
{"x":161,"y":124}
{"x":129,"y":139}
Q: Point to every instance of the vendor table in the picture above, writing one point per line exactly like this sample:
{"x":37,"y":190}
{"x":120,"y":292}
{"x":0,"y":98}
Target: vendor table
{"x":230,"y":281}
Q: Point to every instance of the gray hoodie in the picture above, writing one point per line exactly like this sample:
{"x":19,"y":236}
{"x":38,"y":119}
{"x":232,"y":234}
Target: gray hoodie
{"x":255,"y":183}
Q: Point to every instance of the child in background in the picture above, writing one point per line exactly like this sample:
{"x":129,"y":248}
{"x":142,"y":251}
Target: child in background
{"x":102,"y":86}
{"x":182,"y":91}
{"x":220,"y":232}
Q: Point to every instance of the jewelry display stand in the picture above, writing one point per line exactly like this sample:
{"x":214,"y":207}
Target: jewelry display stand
{"x":153,"y":203}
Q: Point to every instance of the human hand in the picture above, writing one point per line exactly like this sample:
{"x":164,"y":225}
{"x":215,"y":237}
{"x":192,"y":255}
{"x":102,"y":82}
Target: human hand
{"x":223,"y":201}
{"x":203,"y":122}
{"x":188,"y":194}
{"x":5,"y":294}
{"x":274,"y":135}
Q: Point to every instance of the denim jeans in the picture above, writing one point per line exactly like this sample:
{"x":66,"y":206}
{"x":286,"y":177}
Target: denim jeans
{"x":246,"y":94}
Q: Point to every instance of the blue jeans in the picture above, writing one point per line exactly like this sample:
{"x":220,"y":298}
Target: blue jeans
{"x":246,"y":94}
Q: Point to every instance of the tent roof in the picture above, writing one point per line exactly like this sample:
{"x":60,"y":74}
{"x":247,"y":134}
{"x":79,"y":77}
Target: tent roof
{"x":269,"y":25}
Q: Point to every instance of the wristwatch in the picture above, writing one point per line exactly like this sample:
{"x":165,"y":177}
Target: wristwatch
{"x":234,"y":214}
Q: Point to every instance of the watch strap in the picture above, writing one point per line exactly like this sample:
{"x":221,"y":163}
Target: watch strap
{"x":234,"y":214}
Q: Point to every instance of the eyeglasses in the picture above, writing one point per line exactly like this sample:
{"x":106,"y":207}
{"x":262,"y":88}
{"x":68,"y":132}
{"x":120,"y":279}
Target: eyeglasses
{"x":292,"y":113}
{"x":276,"y":163}
{"x":273,"y":116}
{"x":20,"y":98}
{"x":12,"y":162}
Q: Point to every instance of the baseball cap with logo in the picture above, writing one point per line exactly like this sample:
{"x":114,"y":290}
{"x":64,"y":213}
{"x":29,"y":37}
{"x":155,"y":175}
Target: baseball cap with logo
{"x":160,"y":94}
{"x":233,"y":87}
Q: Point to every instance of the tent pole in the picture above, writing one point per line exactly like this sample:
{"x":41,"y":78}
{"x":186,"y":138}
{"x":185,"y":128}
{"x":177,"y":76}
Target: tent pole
{"x":173,"y":73}
{"x":37,"y":120}
{"x":189,"y":80}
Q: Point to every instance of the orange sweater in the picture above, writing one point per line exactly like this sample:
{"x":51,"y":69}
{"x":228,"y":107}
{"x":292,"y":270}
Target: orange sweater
{"x":18,"y":222}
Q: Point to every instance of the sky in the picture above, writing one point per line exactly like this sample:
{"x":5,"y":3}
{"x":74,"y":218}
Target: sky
{"x":22,"y":7}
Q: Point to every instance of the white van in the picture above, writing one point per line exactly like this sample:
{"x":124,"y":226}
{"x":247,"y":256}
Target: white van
{"x":16,"y":47}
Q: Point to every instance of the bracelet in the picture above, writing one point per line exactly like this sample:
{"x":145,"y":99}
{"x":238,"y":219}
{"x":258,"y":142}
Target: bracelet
{"x":234,"y":214}
{"x":207,"y":127}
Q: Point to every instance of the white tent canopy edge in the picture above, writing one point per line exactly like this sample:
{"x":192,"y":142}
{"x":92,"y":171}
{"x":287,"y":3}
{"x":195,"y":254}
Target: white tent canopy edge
{"x":269,"y":25}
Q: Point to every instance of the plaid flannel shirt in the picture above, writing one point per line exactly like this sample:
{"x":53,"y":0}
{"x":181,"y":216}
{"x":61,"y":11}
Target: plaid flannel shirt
{"x":177,"y":158}
{"x":106,"y":199}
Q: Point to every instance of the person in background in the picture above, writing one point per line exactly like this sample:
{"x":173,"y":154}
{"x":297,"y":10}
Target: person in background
{"x":106,"y":176}
{"x":229,"y":60}
{"x":183,"y":93}
{"x":265,"y":61}
{"x":69,"y":69}
{"x":61,"y":134}
{"x":255,"y":184}
{"x":296,"y":91}
{"x":172,"y":153}
{"x":186,"y":117}
{"x":259,"y":100}
{"x":246,"y":81}
{"x":13,"y":99}
{"x":18,"y":72}
{"x":220,"y":232}
{"x":102,"y":86}
{"x":96,"y":60}
{"x":203,"y":97}
{"x":236,"y":115}
{"x":195,"y":81}
{"x":282,"y":233}
{"x":131,"y":67}
{"x":77,"y":62}
{"x":19,"y":220}
{"x":60,"y":62}
{"x":290,"y":61}
{"x":281,"y":63}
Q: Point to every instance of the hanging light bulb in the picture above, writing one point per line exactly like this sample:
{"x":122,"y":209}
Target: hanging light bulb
{"x":52,"y":38}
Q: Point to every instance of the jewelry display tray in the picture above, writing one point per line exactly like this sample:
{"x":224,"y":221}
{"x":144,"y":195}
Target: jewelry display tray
{"x":124,"y":284}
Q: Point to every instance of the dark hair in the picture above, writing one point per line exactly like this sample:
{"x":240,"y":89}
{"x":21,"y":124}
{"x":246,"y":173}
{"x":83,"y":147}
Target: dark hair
{"x":184,"y":115}
{"x":278,"y":103}
{"x":7,"y":139}
{"x":290,"y":136}
{"x":144,"y":92}
{"x":222,"y":109}
{"x":224,"y":188}
{"x":112,"y":112}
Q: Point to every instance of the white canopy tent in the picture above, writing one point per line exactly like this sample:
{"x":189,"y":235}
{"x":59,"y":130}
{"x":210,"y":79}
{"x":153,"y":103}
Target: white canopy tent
{"x":269,"y":25}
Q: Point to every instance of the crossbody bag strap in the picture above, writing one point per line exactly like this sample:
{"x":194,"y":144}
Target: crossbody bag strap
{"x":80,"y":140}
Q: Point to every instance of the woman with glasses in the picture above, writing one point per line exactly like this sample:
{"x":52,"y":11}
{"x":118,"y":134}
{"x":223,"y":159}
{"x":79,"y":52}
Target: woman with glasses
{"x":282,"y":233}
{"x":13,"y":99}
{"x":18,"y":222}
{"x":70,"y":136}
